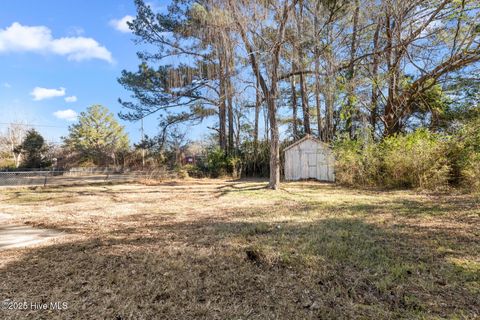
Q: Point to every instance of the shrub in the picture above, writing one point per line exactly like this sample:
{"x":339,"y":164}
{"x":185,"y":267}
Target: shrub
{"x":470,"y":173}
{"x":464,"y":151}
{"x":181,"y":172}
{"x":255,"y":158}
{"x":357,"y":162}
{"x":86,"y":163}
{"x":7,"y":164}
{"x":218,"y":164}
{"x":193,"y":170}
{"x":415,"y":160}
{"x":234,"y":165}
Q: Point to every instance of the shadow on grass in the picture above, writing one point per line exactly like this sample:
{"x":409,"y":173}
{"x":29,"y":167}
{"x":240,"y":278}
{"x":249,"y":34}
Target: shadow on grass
{"x":239,"y":187}
{"x":65,"y":195}
{"x":330,"y":268}
{"x":448,"y":208}
{"x":455,"y":208}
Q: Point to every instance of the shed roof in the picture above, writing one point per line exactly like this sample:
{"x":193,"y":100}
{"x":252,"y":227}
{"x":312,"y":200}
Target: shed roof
{"x":305,"y":138}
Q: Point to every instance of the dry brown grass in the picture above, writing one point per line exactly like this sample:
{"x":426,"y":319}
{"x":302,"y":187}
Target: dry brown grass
{"x":212,"y":249}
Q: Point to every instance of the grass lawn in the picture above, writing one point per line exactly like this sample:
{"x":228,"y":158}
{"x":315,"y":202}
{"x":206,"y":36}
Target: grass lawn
{"x":212,"y":249}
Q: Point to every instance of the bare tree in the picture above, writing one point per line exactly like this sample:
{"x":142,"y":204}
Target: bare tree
{"x":11,"y":139}
{"x":266,"y":70}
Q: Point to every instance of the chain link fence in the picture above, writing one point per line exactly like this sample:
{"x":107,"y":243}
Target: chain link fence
{"x":83,"y":176}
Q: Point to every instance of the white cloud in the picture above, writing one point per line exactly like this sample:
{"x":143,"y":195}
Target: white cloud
{"x":67,"y":114}
{"x":39,"y":39}
{"x":7,"y":85}
{"x":71,"y":99}
{"x":121,"y":24}
{"x":80,"y":48}
{"x":39,"y":93}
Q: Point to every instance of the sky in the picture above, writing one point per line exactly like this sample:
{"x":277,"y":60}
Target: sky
{"x":59,"y":57}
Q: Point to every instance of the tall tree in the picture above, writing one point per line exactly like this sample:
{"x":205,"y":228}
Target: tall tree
{"x":383,"y":65}
{"x":183,"y":93}
{"x":33,"y":149}
{"x":267,"y":70}
{"x":97,"y":136}
{"x":11,"y":139}
{"x":300,"y":50}
{"x":350,"y":105}
{"x":410,"y":30}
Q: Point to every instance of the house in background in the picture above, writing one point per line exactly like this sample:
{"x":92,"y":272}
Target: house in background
{"x":191,"y":159}
{"x":309,"y":158}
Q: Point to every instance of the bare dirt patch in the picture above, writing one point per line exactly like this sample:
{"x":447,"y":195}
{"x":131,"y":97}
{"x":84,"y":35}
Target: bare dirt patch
{"x":217,"y":249}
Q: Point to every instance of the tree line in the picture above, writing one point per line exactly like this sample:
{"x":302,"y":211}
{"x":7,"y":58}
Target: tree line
{"x":329,"y":68}
{"x":96,"y":139}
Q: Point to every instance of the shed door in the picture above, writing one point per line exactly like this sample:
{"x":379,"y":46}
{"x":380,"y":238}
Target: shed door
{"x":312,"y":165}
{"x":323,"y":167}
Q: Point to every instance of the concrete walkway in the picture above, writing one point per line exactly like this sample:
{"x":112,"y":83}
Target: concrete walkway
{"x":20,"y":236}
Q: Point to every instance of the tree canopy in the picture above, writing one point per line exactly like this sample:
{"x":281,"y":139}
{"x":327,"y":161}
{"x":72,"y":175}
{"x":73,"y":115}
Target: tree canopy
{"x":97,"y":136}
{"x":325,"y":67}
{"x":33,"y":149}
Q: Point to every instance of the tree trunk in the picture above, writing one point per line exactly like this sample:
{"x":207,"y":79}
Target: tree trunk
{"x":317,"y":97}
{"x":267,"y":126}
{"x":391,"y":119}
{"x":301,"y":61}
{"x":274,"y":145}
{"x":350,"y":108}
{"x":238,"y":124}
{"x":375,"y":84}
{"x":305,"y":107}
{"x":231,"y":145}
{"x":257,"y":114}
{"x":293,"y":88}
{"x":222,"y":117}
{"x":329,"y":98}
{"x":317,"y":76}
{"x":329,"y":88}
{"x":229,"y":93}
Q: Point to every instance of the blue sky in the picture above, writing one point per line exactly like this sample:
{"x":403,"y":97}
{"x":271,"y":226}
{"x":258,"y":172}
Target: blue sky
{"x":59,"y":57}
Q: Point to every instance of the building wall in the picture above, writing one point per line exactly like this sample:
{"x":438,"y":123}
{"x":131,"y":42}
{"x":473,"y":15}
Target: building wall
{"x":309,"y":159}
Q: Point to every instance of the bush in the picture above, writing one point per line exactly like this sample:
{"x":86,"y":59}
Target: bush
{"x":234,"y":165}
{"x":470,"y":173}
{"x":181,"y":172}
{"x":218,"y":164}
{"x":255,"y":159}
{"x":414,"y":160}
{"x":357,"y":162}
{"x":193,"y":171}
{"x":86,"y":163}
{"x":464,"y":151}
{"x":7,"y":164}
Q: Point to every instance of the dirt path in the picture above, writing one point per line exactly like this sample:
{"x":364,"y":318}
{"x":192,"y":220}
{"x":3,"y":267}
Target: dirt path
{"x":19,"y":236}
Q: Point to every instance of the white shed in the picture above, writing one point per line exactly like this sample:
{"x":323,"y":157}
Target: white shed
{"x":309,"y":158}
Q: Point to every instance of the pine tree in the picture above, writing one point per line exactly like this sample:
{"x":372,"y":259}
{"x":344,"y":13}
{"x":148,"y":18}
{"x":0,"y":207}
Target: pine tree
{"x":97,"y":136}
